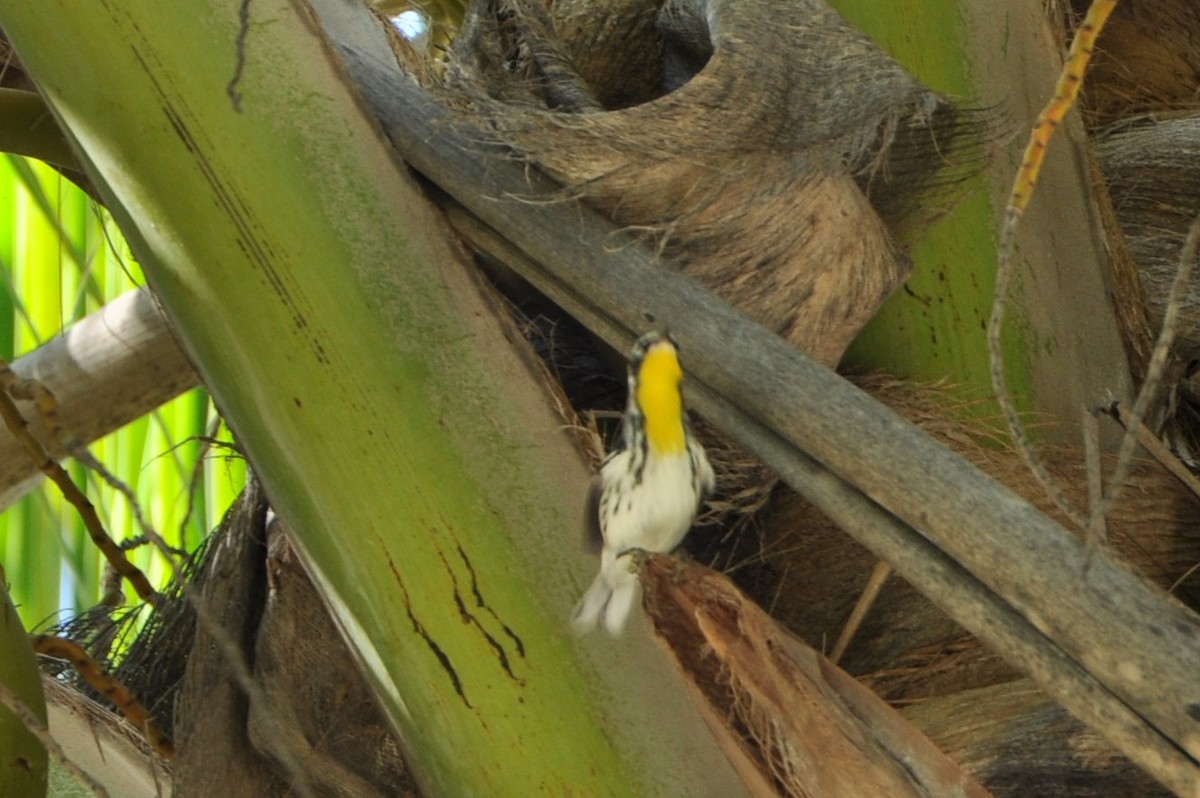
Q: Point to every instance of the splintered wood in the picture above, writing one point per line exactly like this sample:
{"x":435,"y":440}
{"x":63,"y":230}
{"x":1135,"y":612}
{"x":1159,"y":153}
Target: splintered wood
{"x":789,"y":720}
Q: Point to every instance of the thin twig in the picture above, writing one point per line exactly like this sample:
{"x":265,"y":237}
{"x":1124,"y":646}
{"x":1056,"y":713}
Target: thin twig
{"x":83,"y":456}
{"x":1157,"y":449}
{"x":207,"y":442}
{"x":14,"y":387}
{"x":91,"y":671}
{"x":1175,"y":585}
{"x":871,"y":592}
{"x":1065,"y":92}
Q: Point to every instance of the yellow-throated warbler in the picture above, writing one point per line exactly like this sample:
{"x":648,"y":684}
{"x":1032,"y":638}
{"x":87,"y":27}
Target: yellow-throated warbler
{"x":648,"y":489}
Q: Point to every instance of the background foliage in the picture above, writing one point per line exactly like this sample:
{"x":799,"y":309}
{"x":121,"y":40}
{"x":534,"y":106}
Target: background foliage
{"x":61,"y":258}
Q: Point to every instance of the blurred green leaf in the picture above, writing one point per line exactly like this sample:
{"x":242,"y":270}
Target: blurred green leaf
{"x":61,"y":257}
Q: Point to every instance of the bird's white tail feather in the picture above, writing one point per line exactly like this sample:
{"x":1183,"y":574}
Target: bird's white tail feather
{"x":620,"y":606}
{"x":609,"y":600}
{"x":587,"y":612}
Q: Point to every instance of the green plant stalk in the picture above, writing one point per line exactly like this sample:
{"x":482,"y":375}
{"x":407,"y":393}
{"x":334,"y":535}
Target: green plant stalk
{"x":1061,"y":346}
{"x":934,"y":328}
{"x":27,"y":128}
{"x":309,"y":285}
{"x":23,"y":760}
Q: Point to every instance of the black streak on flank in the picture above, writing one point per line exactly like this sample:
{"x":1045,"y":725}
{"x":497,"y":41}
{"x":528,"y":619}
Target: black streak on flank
{"x":429,"y":641}
{"x":469,"y":618}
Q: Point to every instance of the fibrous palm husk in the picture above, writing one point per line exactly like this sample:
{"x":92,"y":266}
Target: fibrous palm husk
{"x":762,"y":171}
{"x":1021,"y":743}
{"x":306,"y":716}
{"x":1153,"y":174}
{"x":310,"y":717}
{"x":1147,"y":61}
{"x":301,"y":712}
{"x":1142,"y":96}
{"x":621,"y":70}
{"x":1152,"y":171}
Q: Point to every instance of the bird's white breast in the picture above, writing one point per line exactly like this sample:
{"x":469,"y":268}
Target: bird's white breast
{"x":651,"y":514}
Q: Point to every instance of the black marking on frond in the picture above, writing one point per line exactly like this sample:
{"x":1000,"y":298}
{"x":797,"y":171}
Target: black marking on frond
{"x":477,"y":594}
{"x":436,"y":650}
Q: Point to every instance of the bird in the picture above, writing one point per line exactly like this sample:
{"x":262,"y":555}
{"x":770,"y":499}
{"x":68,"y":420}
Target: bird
{"x":649,"y":487}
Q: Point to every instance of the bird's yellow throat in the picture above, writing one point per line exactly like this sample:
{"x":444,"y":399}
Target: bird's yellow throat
{"x":659,"y":398}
